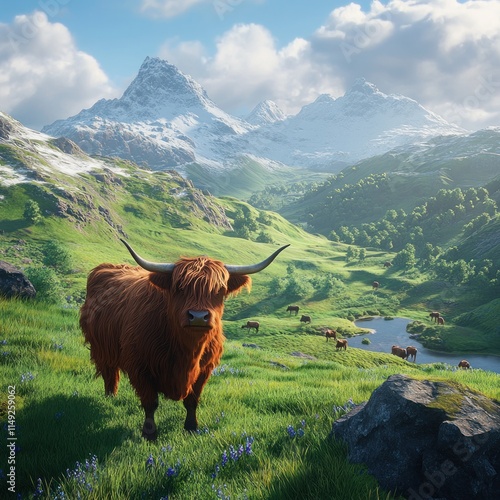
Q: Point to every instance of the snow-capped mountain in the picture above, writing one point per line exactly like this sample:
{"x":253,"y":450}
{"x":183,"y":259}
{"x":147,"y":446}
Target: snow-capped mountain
{"x":165,"y":119}
{"x":333,"y":132}
{"x":264,"y":113}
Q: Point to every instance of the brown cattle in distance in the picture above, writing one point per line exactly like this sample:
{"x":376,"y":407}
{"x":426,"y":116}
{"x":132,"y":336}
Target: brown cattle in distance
{"x":161,"y":323}
{"x":464,"y":364}
{"x":398,"y":351}
{"x":293,"y":309}
{"x":387,"y":263}
{"x":305,"y":319}
{"x":411,"y":352}
{"x":440,"y":320}
{"x":341,"y":344}
{"x":330,"y":334}
{"x":434,"y":315}
{"x":375,"y":285}
{"x":252,"y":324}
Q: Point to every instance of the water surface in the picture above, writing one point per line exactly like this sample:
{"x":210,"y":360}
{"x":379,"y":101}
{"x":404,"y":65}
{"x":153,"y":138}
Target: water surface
{"x":386,"y":333}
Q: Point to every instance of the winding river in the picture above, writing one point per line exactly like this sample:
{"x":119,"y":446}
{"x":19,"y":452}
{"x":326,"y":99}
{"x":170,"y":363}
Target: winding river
{"x":386,"y":333}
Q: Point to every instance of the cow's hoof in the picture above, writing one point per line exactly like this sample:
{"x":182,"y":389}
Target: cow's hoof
{"x":149,"y":431}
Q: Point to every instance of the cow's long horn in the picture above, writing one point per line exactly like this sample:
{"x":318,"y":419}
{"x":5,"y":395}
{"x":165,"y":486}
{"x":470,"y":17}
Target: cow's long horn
{"x":255,"y":268}
{"x":154,"y":267}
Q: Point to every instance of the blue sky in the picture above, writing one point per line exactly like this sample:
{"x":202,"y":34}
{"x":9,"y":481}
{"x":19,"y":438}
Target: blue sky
{"x":60,"y":56}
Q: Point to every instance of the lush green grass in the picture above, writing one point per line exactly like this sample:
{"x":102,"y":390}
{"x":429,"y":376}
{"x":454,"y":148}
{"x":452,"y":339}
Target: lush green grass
{"x":277,"y":406}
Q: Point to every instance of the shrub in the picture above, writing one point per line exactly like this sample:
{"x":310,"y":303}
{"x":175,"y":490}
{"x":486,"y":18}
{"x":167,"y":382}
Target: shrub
{"x":46,"y":283}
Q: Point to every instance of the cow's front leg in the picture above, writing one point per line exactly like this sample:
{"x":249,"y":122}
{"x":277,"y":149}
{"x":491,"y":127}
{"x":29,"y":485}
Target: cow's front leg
{"x":191,"y":403}
{"x":149,"y":430}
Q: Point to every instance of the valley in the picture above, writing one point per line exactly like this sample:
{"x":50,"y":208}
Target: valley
{"x":420,"y":217}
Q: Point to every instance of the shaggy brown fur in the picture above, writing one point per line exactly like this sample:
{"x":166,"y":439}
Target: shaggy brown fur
{"x":138,"y":322}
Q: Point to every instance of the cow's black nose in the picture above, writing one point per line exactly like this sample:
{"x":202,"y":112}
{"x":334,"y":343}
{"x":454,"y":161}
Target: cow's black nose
{"x":198,"y":318}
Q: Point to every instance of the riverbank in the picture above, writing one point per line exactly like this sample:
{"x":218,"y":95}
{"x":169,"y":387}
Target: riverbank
{"x":388,"y":332}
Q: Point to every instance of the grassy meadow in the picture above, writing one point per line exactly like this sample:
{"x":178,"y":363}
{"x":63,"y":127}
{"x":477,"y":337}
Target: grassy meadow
{"x":267,"y":412}
{"x":265,"y":417}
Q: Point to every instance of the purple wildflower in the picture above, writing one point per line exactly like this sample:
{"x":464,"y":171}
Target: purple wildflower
{"x":39,"y":489}
{"x":248,"y":445}
{"x":224,"y":458}
{"x":171,"y":472}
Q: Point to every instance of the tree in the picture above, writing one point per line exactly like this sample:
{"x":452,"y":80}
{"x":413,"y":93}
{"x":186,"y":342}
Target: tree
{"x":406,"y":257}
{"x":264,"y":237}
{"x":32,"y":212}
{"x":352,"y":253}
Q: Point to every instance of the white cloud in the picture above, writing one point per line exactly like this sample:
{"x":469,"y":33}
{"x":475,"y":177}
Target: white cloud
{"x":169,"y":8}
{"x":444,"y":54}
{"x":43,"y":76}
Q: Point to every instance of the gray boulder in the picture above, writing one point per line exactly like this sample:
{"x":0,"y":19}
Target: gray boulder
{"x":13,"y":283}
{"x":427,"y":440}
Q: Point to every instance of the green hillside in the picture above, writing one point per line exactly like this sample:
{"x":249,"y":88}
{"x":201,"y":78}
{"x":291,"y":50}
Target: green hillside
{"x":164,"y":217}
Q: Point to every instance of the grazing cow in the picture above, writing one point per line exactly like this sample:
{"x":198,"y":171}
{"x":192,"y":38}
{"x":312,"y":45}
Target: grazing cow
{"x":434,"y":315}
{"x":252,"y":324}
{"x":293,"y":308}
{"x":341,"y":344}
{"x":398,"y":351}
{"x":440,"y":320}
{"x":330,"y":334}
{"x":375,"y":285}
{"x":162,"y":325}
{"x":464,"y":364}
{"x":387,"y":263}
{"x":411,"y":352}
{"x":305,"y":319}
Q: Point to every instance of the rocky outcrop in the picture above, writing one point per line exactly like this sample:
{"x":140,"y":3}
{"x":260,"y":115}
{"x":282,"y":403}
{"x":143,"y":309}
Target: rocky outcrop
{"x":427,"y":440}
{"x":13,"y":283}
{"x":6,"y":128}
{"x":67,"y":146}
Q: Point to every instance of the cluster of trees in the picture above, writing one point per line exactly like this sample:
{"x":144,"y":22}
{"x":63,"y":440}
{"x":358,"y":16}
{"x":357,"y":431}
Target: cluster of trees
{"x":416,"y":236}
{"x":448,"y":213}
{"x":296,"y":286}
{"x":277,"y":196}
{"x":246,"y":225}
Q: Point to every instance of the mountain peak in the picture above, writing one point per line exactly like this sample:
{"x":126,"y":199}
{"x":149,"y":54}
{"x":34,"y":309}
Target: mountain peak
{"x":265,"y":112}
{"x":361,"y":86}
{"x":159,"y":83}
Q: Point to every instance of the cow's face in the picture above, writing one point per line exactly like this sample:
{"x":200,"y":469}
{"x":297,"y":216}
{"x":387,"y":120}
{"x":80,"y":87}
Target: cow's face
{"x":197,"y":288}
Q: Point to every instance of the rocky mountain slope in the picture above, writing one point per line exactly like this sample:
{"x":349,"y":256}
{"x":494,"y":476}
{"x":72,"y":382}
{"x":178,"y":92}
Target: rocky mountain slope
{"x":68,"y":183}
